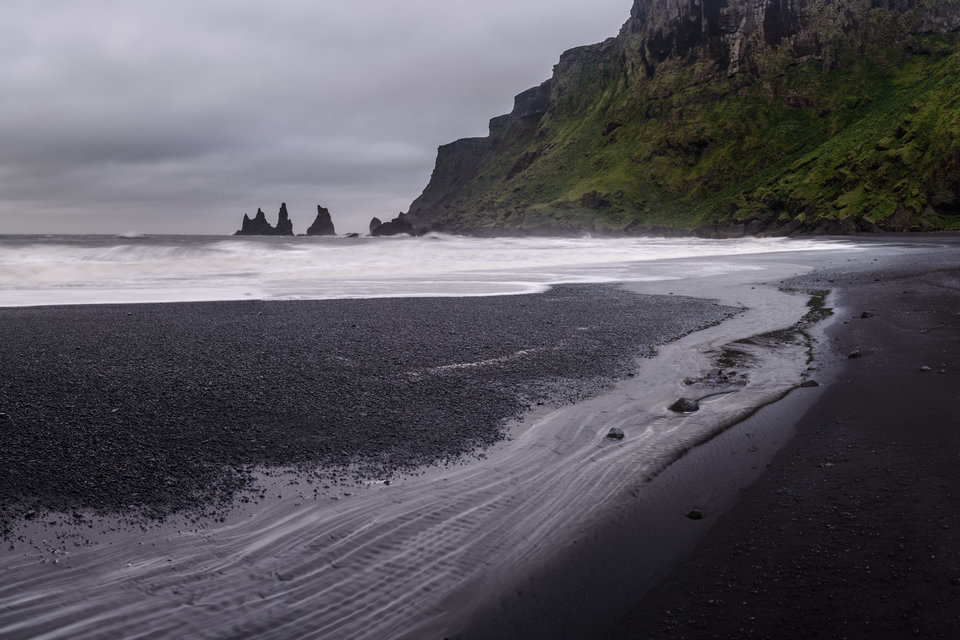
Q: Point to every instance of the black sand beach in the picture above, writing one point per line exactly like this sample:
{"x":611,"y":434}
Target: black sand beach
{"x":146,"y":410}
{"x":850,"y":532}
{"x":854,"y":530}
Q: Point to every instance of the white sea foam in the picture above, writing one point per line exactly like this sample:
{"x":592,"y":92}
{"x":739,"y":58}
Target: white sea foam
{"x":84,"y":269}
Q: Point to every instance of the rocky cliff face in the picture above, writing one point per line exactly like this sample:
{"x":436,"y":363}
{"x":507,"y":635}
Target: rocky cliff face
{"x":772,"y":115}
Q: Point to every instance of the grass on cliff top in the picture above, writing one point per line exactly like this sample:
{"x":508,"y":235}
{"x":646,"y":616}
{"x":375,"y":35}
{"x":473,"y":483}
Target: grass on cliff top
{"x":862,"y":138}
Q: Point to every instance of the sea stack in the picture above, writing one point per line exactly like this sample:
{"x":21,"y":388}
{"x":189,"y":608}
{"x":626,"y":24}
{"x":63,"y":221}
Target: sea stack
{"x":259,"y":226}
{"x":284,"y":226}
{"x":323,"y":225}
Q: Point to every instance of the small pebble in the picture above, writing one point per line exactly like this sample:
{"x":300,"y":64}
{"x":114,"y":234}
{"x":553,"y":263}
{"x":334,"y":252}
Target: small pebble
{"x":853,"y":355}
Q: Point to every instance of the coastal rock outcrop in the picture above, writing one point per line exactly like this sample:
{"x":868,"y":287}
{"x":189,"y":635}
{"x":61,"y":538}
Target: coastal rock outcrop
{"x":725,"y":117}
{"x":397,"y":226}
{"x":284,"y":225}
{"x":323,"y":224}
{"x":258,"y":225}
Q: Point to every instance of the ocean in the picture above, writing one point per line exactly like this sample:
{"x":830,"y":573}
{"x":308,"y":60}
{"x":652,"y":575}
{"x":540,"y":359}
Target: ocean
{"x":92,"y":269}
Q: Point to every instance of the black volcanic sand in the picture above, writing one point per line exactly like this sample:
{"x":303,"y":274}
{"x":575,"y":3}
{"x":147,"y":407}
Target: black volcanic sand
{"x":854,"y":531}
{"x":148,"y":410}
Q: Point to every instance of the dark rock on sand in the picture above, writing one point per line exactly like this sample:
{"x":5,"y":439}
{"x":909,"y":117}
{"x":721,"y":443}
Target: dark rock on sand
{"x":865,"y":315}
{"x":853,"y":355}
{"x":353,"y":235}
{"x":809,"y":384}
{"x":685,"y":405}
{"x":616,"y":434}
{"x":323,"y":224}
{"x":695,"y":514}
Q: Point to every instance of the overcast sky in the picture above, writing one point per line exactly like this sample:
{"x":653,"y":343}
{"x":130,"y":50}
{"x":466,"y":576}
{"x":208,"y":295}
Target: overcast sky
{"x":179,"y":116}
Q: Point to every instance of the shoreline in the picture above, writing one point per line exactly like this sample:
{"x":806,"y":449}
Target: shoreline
{"x":853,"y":529}
{"x":445,"y":523}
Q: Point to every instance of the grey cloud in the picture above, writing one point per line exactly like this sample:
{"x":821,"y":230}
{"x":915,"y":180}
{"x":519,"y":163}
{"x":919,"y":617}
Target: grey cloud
{"x":114,"y":112}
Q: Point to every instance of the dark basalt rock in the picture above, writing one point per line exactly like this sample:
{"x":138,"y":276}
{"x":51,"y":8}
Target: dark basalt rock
{"x":397,"y":226}
{"x":353,"y":235}
{"x":323,"y":225}
{"x":853,"y":355}
{"x":809,"y":384}
{"x":616,"y":434}
{"x":259,"y":226}
{"x":695,"y":514}
{"x":284,"y":225}
{"x":375,"y":224}
{"x":685,"y":405}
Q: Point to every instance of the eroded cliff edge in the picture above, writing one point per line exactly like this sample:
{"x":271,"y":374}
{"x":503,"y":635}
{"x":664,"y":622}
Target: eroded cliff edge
{"x":725,"y":116}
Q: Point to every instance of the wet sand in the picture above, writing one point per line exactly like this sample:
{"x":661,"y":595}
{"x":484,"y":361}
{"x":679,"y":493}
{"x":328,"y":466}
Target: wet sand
{"x":854,"y":530}
{"x":149,"y":410}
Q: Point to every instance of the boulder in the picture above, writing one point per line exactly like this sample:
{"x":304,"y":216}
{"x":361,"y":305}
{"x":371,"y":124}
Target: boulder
{"x":323,"y":225}
{"x":375,"y":224}
{"x":616,"y":434}
{"x":685,"y":405}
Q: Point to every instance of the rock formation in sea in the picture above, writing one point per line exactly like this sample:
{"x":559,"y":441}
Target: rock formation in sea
{"x":284,"y":225}
{"x":397,"y":226}
{"x":725,"y":117}
{"x":323,"y":224}
{"x":258,"y":226}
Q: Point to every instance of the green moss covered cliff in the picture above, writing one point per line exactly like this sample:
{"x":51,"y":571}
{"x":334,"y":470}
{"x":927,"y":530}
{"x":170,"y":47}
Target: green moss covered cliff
{"x":726,"y":117}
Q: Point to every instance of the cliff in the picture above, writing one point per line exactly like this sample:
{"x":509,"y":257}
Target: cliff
{"x":725,"y":116}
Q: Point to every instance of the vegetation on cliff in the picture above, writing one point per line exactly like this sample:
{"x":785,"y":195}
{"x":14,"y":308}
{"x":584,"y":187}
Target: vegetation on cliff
{"x":843,"y":117}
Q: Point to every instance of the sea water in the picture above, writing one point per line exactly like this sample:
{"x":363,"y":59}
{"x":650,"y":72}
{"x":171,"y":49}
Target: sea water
{"x":79,"y":269}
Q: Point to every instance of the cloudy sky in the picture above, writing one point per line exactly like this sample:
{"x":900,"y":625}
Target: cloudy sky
{"x":179,"y":116}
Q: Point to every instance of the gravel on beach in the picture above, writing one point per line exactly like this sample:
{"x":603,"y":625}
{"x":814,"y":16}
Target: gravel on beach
{"x":148,"y":410}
